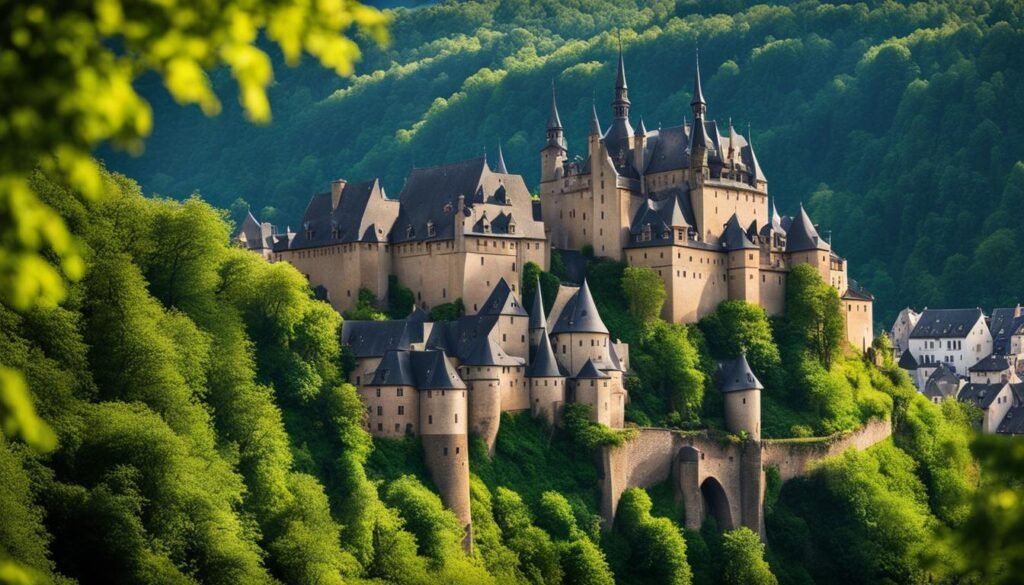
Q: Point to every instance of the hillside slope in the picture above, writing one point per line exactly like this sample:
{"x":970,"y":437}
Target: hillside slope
{"x":898,"y":124}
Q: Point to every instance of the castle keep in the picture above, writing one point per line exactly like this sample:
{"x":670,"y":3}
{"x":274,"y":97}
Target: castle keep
{"x":688,"y":201}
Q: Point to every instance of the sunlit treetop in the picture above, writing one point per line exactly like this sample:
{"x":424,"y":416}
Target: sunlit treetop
{"x":67,"y":69}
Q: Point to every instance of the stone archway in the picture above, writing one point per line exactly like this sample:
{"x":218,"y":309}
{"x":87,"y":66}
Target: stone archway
{"x":716,"y":503}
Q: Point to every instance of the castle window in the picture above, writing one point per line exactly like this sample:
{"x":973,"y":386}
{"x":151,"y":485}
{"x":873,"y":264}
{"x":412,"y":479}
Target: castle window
{"x":380,"y":427}
{"x":401,"y":392}
{"x":457,"y":450}
{"x":446,"y":451}
{"x":511,"y":228}
{"x":481,"y":261}
{"x":380,"y":411}
{"x":456,"y":417}
{"x":397,"y":427}
{"x":430,"y":419}
{"x":401,"y":410}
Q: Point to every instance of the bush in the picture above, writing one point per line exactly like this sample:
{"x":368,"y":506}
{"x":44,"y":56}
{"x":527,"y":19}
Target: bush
{"x":744,"y":559}
{"x":400,"y":299}
{"x":447,"y":311}
{"x":644,"y":291}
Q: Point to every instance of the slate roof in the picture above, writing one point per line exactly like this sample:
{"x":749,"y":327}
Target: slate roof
{"x":554,"y":121}
{"x":668,"y":149}
{"x":943,"y":383}
{"x":801,"y":235}
{"x":364,"y":214}
{"x":736,"y":375}
{"x":394,"y":370}
{"x":537,"y":318}
{"x":488,"y":353}
{"x":907,"y":361}
{"x":734,"y":237}
{"x":1003,"y":324}
{"x":982,"y":395}
{"x":500,"y":167}
{"x":432,"y":371}
{"x":856,"y":292}
{"x":375,"y":338}
{"x":580,"y":314}
{"x":590,"y":371}
{"x":1013,"y":422}
{"x":430,"y":196}
{"x":544,"y":363}
{"x":955,"y":323}
{"x":502,"y":301}
{"x":990,"y":363}
{"x":257,"y":237}
{"x":662,"y":210}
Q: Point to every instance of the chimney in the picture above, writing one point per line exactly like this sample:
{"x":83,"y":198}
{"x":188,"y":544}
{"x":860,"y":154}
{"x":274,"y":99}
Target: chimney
{"x":1016,"y":311}
{"x":336,"y":188}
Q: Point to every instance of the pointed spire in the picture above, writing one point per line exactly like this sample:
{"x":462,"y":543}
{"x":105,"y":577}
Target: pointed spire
{"x":554,"y":121}
{"x":580,"y":314}
{"x":737,"y":376}
{"x":697,"y":104}
{"x":595,"y":124}
{"x":802,"y":235}
{"x":544,"y":364}
{"x":500,"y":167}
{"x":537,"y":318}
{"x":620,"y":105}
{"x":756,"y":174}
{"x":641,"y":130}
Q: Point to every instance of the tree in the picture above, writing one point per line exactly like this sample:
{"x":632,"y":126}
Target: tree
{"x":549,"y":284}
{"x":740,"y":327}
{"x":657,"y":545}
{"x":744,"y":559}
{"x":814,"y":314}
{"x":645,"y":292}
{"x":400,"y":299}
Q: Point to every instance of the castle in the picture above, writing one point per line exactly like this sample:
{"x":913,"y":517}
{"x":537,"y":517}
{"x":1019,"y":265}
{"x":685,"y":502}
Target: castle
{"x":687,"y":202}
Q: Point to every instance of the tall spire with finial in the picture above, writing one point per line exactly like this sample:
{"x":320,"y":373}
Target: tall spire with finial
{"x":697,"y":104}
{"x":556,"y":134}
{"x":500,"y":167}
{"x":621,"y":103}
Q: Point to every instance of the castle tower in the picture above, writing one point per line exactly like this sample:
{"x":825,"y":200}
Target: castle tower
{"x":743,"y":263}
{"x":391,"y":397}
{"x":618,"y":140}
{"x":443,"y":430}
{"x":579,"y":334}
{"x":490,"y":373}
{"x":511,"y":324}
{"x":742,"y":391}
{"x":698,"y":135}
{"x":592,"y":387}
{"x":639,"y":146}
{"x":803,"y":244}
{"x":538,"y":322}
{"x":547,"y":383}
{"x":500,"y":166}
{"x":555,"y":149}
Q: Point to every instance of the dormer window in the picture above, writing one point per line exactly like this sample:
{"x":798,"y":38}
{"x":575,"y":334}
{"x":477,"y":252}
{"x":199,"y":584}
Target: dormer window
{"x":448,"y":207}
{"x":309,"y":230}
{"x":430,"y":229}
{"x":645,"y":233}
{"x":408,"y":231}
{"x":511,"y":228}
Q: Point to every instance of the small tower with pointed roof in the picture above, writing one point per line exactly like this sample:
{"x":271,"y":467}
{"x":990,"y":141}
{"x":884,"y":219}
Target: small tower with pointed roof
{"x":492,"y":377}
{"x":742,"y":392}
{"x":698,"y":135}
{"x":538,"y":322}
{"x":512,"y":320}
{"x":547,"y":382}
{"x":555,"y":150}
{"x":744,"y":260}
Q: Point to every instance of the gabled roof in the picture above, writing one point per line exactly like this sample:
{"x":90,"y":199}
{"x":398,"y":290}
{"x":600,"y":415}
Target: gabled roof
{"x":734,"y":237}
{"x":801,"y":235}
{"x":981,"y":395}
{"x":907,"y":361}
{"x":488,"y":353}
{"x":394,"y":370}
{"x":662,"y":211}
{"x":737,"y":376}
{"x":590,"y":371}
{"x":364,"y":213}
{"x":580,"y":314}
{"x":460,"y":338}
{"x":991,"y":363}
{"x":856,"y":292}
{"x":750,"y":159}
{"x":955,"y":323}
{"x":1003,"y":324}
{"x":502,"y":301}
{"x":1013,"y":422}
{"x":537,"y":318}
{"x":614,"y":363}
{"x":544,"y":363}
{"x":669,"y":149}
{"x":943,"y":383}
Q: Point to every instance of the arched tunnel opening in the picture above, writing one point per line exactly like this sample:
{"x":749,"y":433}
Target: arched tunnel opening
{"x":716,"y":503}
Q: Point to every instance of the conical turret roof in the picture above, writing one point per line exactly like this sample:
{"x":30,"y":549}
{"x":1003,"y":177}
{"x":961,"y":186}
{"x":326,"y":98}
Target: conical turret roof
{"x":544,"y":364}
{"x":500,"y":167}
{"x":502,"y":301}
{"x":595,"y":124}
{"x":737,"y":376}
{"x":801,"y":235}
{"x":698,"y":92}
{"x":734,"y":238}
{"x":489,"y":353}
{"x":537,"y":318}
{"x":580,"y":314}
{"x":554,"y":121}
{"x":394,"y":370}
{"x":590,"y":371}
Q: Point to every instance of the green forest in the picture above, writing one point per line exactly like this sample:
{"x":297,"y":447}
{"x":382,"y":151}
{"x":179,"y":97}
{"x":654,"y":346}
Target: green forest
{"x":196,"y":428}
{"x":898,"y":124}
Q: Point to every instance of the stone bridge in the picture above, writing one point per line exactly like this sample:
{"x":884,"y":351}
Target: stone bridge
{"x":717,"y":476}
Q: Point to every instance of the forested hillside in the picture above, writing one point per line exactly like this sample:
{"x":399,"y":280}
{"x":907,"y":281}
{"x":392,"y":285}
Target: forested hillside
{"x":898,"y":124}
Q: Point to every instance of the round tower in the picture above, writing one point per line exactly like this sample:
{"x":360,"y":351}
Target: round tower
{"x":554,"y":153}
{"x":579,"y":334}
{"x":495,"y":383}
{"x":547,"y":382}
{"x":443,"y":430}
{"x":742,"y":391}
{"x":592,"y":387}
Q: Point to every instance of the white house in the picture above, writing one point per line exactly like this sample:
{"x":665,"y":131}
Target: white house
{"x":901,"y":328}
{"x":994,"y":400}
{"x":959,"y":338}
